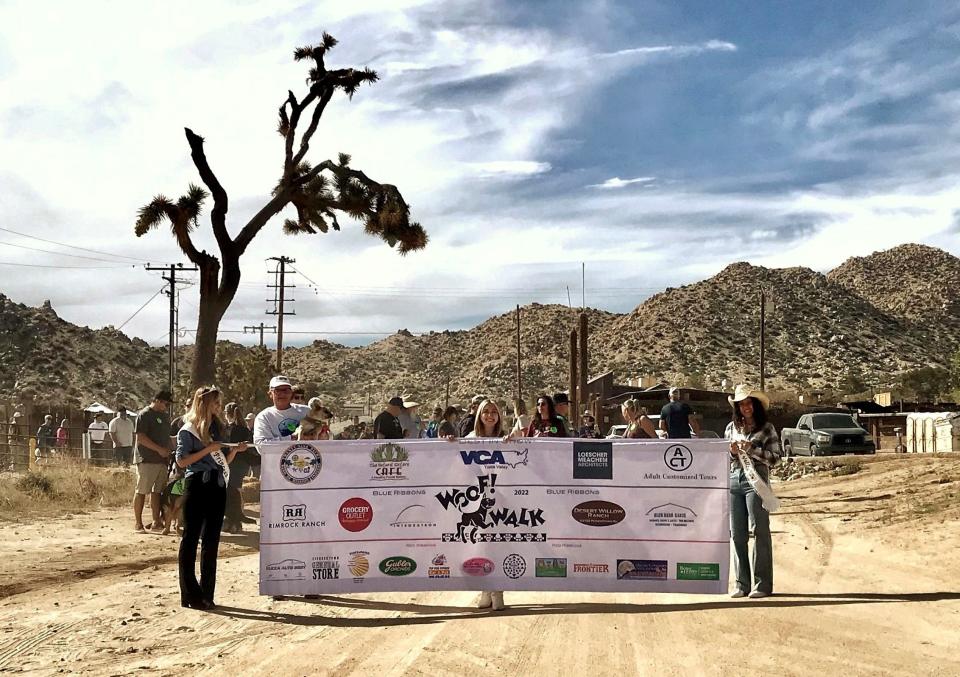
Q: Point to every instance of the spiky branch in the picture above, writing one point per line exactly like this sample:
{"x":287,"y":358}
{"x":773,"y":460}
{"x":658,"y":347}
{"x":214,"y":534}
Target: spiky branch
{"x":317,"y":193}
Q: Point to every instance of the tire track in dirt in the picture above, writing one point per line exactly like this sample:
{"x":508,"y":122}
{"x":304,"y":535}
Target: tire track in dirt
{"x":820,"y":539}
{"x":28,"y":640}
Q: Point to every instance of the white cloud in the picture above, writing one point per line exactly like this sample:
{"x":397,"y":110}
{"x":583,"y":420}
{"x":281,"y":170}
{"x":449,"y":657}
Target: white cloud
{"x":509,"y":168}
{"x":617,"y":182}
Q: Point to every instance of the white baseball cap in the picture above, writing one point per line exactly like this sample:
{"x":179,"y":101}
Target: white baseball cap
{"x":278,"y":381}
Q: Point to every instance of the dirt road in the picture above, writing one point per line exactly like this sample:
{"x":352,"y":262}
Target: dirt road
{"x":865,"y":569}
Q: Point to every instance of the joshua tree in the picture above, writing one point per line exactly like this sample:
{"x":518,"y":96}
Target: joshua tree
{"x":317,"y":192}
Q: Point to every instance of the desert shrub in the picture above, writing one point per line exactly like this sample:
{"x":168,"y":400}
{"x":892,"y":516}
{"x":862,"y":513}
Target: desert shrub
{"x":35,"y":484}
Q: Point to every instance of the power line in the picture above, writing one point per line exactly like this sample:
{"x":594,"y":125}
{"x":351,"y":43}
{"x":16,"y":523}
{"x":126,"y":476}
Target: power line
{"x":48,"y":251}
{"x":38,"y":265}
{"x":73,"y":246}
{"x":140,"y":308}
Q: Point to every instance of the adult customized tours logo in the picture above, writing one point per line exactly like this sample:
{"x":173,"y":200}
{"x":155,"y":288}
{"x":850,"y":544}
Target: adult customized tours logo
{"x":325,"y":567}
{"x":551,"y":567}
{"x":641,"y":569}
{"x":481,"y":520}
{"x":300,"y":463}
{"x":598,"y":513}
{"x":355,"y":514}
{"x":359,"y":564}
{"x":438,"y":567}
{"x":296,"y":517}
{"x":477,"y":566}
{"x":514,"y":566}
{"x":593,"y":460}
{"x":671,"y":515}
{"x":398,"y":566}
{"x":286,"y":570}
{"x":678,"y":457}
{"x":495,"y":459}
{"x":413,"y":517}
{"x":389,"y":461}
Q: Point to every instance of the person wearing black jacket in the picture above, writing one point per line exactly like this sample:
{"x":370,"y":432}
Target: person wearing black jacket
{"x":236,"y":431}
{"x":465,"y":427}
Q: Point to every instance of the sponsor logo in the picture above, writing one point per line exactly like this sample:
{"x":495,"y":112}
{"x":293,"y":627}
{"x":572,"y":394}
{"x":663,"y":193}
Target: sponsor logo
{"x":300,"y":463}
{"x":678,"y":457}
{"x":359,"y":564}
{"x":389,"y":461}
{"x":477,"y":566}
{"x":500,"y":459}
{"x":514,"y":566}
{"x":551,"y":567}
{"x":325,"y":567}
{"x":286,"y":570}
{"x":671,"y":515}
{"x":398,"y":566}
{"x":413,"y":516}
{"x":295,"y":517}
{"x":598,"y":513}
{"x":479,"y":514}
{"x":580,"y":568}
{"x":355,"y":514}
{"x":641,"y":569}
{"x":698,"y":571}
{"x":593,"y":460}
{"x":438,"y":567}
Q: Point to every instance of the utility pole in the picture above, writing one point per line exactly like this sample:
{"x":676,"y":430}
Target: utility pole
{"x":573,"y":377}
{"x":281,"y":286}
{"x":172,"y":293}
{"x":258,"y":328}
{"x":583,"y":400}
{"x":519,"y":379}
{"x":583,"y":286}
{"x":763,"y":320}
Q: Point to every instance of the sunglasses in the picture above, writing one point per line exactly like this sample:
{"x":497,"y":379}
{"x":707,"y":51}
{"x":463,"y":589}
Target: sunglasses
{"x":208,"y":390}
{"x":542,"y":404}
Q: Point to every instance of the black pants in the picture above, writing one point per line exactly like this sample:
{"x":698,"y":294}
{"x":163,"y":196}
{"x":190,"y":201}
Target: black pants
{"x":203,"y":507}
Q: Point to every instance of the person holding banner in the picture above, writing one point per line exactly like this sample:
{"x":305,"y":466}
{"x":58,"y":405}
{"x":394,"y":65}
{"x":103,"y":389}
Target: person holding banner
{"x":754,"y":446}
{"x":545,"y":422}
{"x":488,"y":423}
{"x":200,"y":451}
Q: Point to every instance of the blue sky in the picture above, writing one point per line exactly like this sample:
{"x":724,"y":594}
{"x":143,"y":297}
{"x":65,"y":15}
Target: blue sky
{"x":655,"y":141}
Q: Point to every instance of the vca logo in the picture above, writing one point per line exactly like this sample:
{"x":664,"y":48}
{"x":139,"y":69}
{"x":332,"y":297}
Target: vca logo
{"x":484,"y":457}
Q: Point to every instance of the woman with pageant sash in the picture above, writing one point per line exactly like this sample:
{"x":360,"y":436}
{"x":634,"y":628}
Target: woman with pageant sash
{"x":201,"y":452}
{"x":752,"y":435}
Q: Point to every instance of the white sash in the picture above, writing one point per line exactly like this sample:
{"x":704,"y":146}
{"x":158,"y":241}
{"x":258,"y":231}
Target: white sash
{"x":217,"y":455}
{"x":770,"y":501}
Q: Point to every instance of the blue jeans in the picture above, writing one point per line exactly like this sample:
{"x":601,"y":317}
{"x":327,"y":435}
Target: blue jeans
{"x":746,"y":508}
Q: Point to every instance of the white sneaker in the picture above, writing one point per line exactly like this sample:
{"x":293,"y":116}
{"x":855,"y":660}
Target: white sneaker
{"x":497,"y":598}
{"x":737,"y":594}
{"x":485,"y":600}
{"x":757,"y":594}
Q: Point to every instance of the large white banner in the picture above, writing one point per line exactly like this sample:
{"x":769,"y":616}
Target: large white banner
{"x":480,"y":514}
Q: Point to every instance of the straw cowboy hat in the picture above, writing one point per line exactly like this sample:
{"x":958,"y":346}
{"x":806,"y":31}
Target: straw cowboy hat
{"x":744,"y":391}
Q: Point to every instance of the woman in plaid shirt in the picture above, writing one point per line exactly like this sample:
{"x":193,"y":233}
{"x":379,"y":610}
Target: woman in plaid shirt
{"x":750,"y":432}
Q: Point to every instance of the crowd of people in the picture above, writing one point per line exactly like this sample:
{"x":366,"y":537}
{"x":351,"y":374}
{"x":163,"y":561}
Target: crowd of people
{"x":203,"y":456}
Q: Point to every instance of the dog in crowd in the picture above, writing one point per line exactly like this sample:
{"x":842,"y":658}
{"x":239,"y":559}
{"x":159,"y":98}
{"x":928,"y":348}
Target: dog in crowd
{"x":171,"y":505}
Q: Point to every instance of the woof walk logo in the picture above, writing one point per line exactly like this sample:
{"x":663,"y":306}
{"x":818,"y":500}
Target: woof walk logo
{"x":482,"y":520}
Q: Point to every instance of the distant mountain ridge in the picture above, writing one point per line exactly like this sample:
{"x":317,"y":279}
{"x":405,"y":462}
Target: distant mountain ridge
{"x":871,"y":317}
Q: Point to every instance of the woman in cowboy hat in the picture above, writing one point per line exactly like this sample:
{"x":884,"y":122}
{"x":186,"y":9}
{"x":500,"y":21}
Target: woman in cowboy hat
{"x":751,"y":432}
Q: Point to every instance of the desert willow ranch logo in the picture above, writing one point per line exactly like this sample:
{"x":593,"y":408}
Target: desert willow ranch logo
{"x":478,"y":512}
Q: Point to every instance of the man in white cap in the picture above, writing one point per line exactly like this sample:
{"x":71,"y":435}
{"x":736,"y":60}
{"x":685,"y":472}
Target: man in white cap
{"x":409,"y":418}
{"x":675,"y":417}
{"x":281,"y":420}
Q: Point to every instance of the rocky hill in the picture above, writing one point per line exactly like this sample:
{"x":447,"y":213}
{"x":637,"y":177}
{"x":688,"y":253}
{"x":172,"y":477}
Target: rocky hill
{"x":868,"y":319}
{"x":47,"y":359}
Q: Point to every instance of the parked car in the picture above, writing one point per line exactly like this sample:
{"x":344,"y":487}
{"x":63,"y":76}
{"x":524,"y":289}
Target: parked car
{"x":824,"y":434}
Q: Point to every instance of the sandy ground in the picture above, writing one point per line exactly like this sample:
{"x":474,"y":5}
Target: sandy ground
{"x":865,"y":580}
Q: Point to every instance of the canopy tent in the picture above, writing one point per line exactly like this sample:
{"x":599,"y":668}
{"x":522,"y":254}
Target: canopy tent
{"x":97,"y":408}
